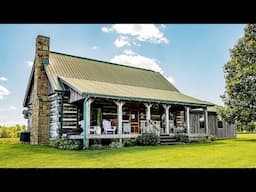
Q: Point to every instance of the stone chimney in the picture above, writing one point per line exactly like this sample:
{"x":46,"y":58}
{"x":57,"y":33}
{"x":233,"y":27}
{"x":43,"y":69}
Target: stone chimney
{"x":40,"y":129}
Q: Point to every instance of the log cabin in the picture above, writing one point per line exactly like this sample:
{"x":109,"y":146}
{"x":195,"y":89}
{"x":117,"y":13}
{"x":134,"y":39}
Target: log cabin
{"x":88,"y":99}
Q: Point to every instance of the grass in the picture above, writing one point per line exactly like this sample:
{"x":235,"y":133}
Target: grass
{"x":229,"y":153}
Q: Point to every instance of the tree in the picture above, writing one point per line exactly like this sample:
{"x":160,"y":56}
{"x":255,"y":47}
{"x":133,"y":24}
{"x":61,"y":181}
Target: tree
{"x":240,"y":74}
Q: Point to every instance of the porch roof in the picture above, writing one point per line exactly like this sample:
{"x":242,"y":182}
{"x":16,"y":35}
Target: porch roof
{"x":114,"y":90}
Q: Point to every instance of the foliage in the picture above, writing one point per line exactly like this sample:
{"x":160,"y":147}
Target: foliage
{"x":129,"y":142}
{"x":96,"y":147}
{"x":183,"y":138}
{"x":147,"y":139}
{"x":12,"y":131}
{"x":212,"y":137}
{"x":9,"y":140}
{"x":240,"y":73}
{"x":114,"y":145}
{"x":66,"y":144}
{"x":250,"y":127}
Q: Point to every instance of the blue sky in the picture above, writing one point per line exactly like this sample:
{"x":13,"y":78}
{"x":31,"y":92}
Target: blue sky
{"x":191,"y":56}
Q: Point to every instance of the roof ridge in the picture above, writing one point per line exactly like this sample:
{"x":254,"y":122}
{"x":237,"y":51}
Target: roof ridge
{"x":105,"y":62}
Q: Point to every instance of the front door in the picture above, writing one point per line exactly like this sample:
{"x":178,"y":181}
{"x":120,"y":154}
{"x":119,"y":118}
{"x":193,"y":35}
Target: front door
{"x":134,"y":120}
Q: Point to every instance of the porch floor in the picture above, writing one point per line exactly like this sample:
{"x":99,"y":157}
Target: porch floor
{"x":104,"y":136}
{"x":192,"y":136}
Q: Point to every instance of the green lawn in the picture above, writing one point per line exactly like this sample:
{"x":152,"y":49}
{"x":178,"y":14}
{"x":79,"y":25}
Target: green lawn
{"x":240,"y":152}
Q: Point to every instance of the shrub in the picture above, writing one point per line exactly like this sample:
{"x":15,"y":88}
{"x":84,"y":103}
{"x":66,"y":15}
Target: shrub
{"x":96,"y":147}
{"x":129,"y":142}
{"x":114,"y":145}
{"x":66,"y":144}
{"x":212,"y":137}
{"x":147,"y":139}
{"x":183,"y":138}
{"x":9,"y":140}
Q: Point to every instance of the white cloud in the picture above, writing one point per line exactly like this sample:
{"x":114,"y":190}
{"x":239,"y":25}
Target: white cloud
{"x":3,"y":92}
{"x":122,"y":41}
{"x":12,"y":120}
{"x":2,"y":117}
{"x":9,"y":122}
{"x":162,"y":25}
{"x":129,"y":52}
{"x":3,"y":79}
{"x":131,"y":58}
{"x":94,"y":47}
{"x":29,"y":63}
{"x":142,"y":32}
{"x":136,"y":44}
{"x":10,"y":108}
{"x":170,"y":79}
{"x":105,"y":29}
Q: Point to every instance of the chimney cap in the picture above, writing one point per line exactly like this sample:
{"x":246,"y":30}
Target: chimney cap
{"x":42,"y":36}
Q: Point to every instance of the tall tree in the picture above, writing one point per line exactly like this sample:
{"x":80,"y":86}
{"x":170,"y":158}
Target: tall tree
{"x":240,"y":73}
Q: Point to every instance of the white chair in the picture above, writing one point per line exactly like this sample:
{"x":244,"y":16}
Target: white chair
{"x":127,"y":128}
{"x":93,"y":130}
{"x":107,"y":127}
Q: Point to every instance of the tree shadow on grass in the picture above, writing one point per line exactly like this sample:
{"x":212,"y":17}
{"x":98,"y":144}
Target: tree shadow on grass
{"x":195,"y":143}
{"x":246,"y":140}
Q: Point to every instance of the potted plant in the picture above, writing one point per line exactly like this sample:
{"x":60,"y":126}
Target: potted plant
{"x":99,"y":120}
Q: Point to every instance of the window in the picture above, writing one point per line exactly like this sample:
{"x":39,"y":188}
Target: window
{"x":220,"y":123}
{"x":201,"y":121}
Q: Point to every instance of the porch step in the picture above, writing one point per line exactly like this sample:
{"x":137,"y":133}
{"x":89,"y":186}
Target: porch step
{"x":167,"y":136}
{"x":171,"y":143}
{"x":168,"y":139}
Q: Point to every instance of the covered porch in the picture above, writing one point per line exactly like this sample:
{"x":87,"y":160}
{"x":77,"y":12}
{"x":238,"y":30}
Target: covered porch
{"x":118,"y":113}
{"x":107,"y":118}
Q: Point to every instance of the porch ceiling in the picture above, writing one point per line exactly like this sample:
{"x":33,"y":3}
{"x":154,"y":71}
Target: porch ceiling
{"x":105,"y":89}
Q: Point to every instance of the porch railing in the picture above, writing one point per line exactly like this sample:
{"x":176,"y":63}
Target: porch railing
{"x":152,"y":127}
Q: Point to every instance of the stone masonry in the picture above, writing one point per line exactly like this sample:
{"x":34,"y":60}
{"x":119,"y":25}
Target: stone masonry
{"x":40,"y":129}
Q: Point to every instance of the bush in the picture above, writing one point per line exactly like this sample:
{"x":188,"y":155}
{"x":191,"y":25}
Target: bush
{"x":65,"y":144}
{"x":9,"y":140}
{"x":183,"y":138}
{"x":114,"y":145}
{"x":212,"y":137}
{"x":96,"y":147}
{"x":250,"y":127}
{"x":147,"y":139}
{"x":11,"y":131}
{"x":129,"y":142}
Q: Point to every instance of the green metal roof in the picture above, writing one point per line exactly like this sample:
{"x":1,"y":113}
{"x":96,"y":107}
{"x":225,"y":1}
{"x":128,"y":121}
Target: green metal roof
{"x":94,"y":70}
{"x":98,"y":88}
{"x":209,"y":109}
{"x":99,"y":78}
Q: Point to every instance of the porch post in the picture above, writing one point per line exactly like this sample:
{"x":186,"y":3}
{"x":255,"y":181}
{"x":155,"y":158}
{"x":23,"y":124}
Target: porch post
{"x":167,"y":124}
{"x":188,"y":119}
{"x":87,"y":120}
{"x":148,"y":114}
{"x":120,"y":117}
{"x":206,"y":120}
